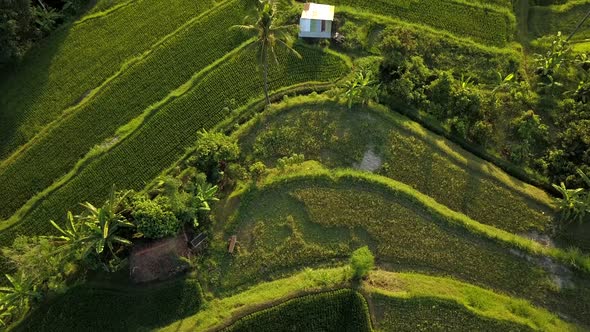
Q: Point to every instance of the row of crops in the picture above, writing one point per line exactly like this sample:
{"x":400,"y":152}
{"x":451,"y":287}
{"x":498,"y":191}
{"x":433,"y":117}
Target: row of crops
{"x":76,"y":59}
{"x":329,"y":216}
{"x":327,"y":132}
{"x":339,"y":311}
{"x":482,"y":24}
{"x":145,"y":83}
{"x":565,"y":18}
{"x":164,"y":138}
{"x":497,"y":3}
{"x":85,"y":308}
{"x":414,"y":313}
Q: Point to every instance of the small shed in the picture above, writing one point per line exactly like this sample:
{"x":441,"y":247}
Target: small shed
{"x":316,"y":21}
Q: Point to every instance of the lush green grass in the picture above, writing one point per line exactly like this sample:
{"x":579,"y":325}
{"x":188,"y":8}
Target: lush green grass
{"x":75,"y":59}
{"x":136,"y":308}
{"x":490,"y":25}
{"x":315,"y":220}
{"x":326,"y":131}
{"x":548,"y":20}
{"x":221,"y":312}
{"x":165,"y":136}
{"x":168,"y":67}
{"x":338,"y":311}
{"x":414,"y":302}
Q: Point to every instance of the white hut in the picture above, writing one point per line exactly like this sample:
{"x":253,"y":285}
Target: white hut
{"x":316,"y":21}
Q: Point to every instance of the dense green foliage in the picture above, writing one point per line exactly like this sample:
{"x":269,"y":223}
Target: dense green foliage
{"x":342,"y":310}
{"x":154,"y":218}
{"x":213,"y":152}
{"x":432,"y":314}
{"x":135,"y":308}
{"x":24,"y":22}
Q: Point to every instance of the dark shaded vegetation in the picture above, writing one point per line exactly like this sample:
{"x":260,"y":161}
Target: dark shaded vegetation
{"x":338,"y":311}
{"x":101,"y":308}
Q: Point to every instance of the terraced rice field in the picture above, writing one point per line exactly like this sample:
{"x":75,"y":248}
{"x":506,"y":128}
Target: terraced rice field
{"x":118,"y":97}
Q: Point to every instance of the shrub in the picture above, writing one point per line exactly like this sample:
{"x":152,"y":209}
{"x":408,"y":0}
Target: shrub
{"x":154,"y":218}
{"x":354,"y":39}
{"x":361,"y":262}
{"x":257,"y":170}
{"x":213,"y":151}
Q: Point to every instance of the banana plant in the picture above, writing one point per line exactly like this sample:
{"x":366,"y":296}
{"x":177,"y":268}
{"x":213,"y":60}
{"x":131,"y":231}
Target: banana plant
{"x":574,"y":204}
{"x":16,"y":298}
{"x":205,"y":193}
{"x":72,"y":233}
{"x":361,"y":88}
{"x":465,"y":83}
{"x":505,"y":82}
{"x":103,"y":224}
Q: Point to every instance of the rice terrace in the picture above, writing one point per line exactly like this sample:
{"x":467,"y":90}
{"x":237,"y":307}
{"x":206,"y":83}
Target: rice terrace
{"x":286,"y":165}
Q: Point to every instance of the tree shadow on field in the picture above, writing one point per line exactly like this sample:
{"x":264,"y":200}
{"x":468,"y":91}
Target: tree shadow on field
{"x":117,"y":307}
{"x":22,"y":85}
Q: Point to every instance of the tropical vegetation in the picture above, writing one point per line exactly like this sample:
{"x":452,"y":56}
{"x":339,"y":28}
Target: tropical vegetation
{"x":192,"y":165}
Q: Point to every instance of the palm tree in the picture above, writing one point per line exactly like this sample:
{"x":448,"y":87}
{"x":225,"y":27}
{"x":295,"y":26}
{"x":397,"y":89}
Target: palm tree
{"x":269,"y":34}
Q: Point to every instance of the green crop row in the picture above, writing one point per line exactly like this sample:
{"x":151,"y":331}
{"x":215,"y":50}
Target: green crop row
{"x":498,"y":3}
{"x":78,"y":58}
{"x":473,"y":305}
{"x":339,"y":311}
{"x":137,"y":308}
{"x":432,"y":314}
{"x":549,"y":20}
{"x":168,"y":133}
{"x":126,"y":97}
{"x":482,"y":24}
{"x":314,"y":218}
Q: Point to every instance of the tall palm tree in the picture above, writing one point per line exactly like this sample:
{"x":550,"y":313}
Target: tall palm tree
{"x":269,"y":34}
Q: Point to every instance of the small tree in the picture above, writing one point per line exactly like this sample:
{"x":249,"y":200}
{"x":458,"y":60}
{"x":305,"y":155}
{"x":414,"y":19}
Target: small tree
{"x":212,"y":153}
{"x":361,"y":262}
